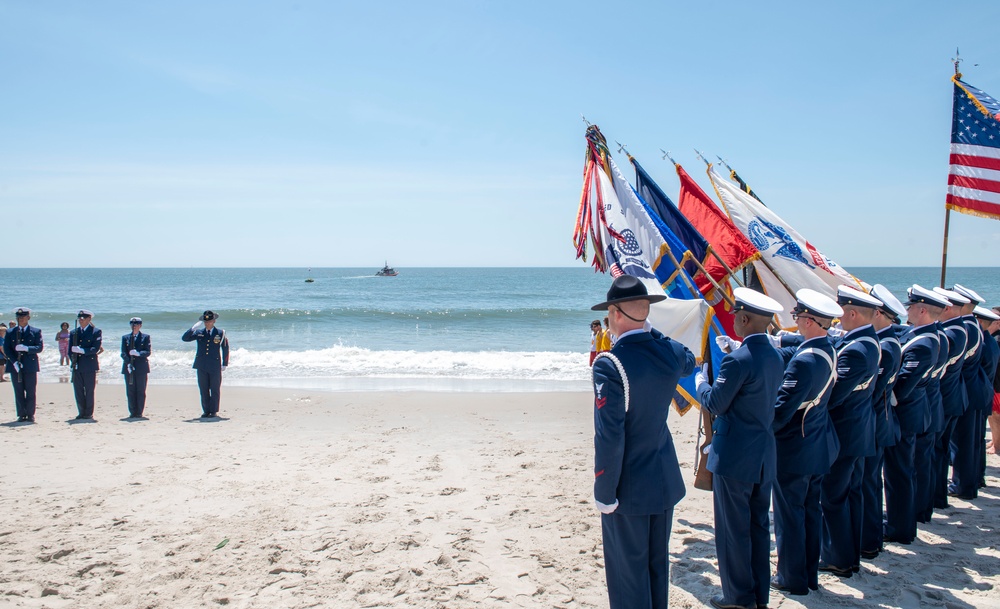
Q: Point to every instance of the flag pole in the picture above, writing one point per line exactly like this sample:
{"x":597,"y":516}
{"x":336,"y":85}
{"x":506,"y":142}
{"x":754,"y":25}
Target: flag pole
{"x":944,"y":247}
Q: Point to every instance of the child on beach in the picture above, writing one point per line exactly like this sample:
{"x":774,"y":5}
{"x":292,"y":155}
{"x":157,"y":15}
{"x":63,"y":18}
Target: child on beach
{"x":62,"y":337}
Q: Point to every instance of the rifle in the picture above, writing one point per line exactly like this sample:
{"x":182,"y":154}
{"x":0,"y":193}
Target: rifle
{"x":703,"y":477}
{"x":130,"y":368}
{"x":74,"y":357}
{"x":20,"y":354}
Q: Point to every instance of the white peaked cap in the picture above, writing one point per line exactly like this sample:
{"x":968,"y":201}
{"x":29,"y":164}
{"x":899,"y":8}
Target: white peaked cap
{"x":847,"y":295}
{"x":811,"y":301}
{"x":920,"y":294}
{"x":968,"y":293}
{"x":753,"y":301}
{"x":953,"y":297}
{"x":889,"y":300}
{"x":984,"y":313}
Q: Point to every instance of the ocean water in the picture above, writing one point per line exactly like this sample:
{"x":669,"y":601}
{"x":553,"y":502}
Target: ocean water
{"x":470,"y":329}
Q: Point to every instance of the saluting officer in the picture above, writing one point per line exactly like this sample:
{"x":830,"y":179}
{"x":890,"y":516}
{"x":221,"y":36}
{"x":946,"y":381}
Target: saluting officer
{"x":807,"y":443}
{"x":991,"y":354}
{"x":21,"y":347}
{"x":885,"y":322}
{"x":742,"y":455}
{"x":85,"y":342}
{"x":851,"y":410}
{"x":637,"y":480}
{"x":919,"y":355}
{"x":210,"y":360}
{"x":967,"y":437}
{"x":136,"y":348}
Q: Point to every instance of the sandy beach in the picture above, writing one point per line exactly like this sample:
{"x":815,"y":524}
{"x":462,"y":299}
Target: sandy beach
{"x":311,"y":499}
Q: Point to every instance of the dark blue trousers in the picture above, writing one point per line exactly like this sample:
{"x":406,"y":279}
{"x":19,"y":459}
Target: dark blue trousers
{"x":963,"y":456}
{"x":842,"y":512}
{"x":84,"y":383}
{"x":136,"y":393}
{"x":981,"y":449}
{"x":900,"y":518}
{"x":798,"y":527}
{"x":923,"y":464}
{"x":743,"y":539}
{"x":942,"y":460}
{"x":209,"y":384}
{"x":24,"y":393}
{"x":871,"y":494}
{"x":636,"y":562}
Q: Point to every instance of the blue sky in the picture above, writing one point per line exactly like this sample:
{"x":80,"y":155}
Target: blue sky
{"x":449,"y":133}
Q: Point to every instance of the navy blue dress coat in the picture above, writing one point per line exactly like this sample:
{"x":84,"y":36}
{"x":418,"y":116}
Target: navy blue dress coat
{"x":919,"y":354}
{"x":953,"y":395}
{"x":31,"y":338}
{"x":89,"y":339}
{"x":140,"y":343}
{"x":213,"y":348}
{"x":886,"y":422}
{"x":850,"y":405}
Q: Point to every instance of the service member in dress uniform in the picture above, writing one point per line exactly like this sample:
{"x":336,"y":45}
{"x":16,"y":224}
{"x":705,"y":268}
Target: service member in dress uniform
{"x":136,"y":348}
{"x":742,"y":455}
{"x":919,"y":355}
{"x":637,"y":478}
{"x":210,"y":360}
{"x":991,"y":353}
{"x":885,"y":322}
{"x":85,"y":342}
{"x":965,"y":440}
{"x":21,"y":347}
{"x":807,"y":443}
{"x":850,"y":409}
{"x":954,"y":399}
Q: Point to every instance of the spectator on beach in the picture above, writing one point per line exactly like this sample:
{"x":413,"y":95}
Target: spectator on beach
{"x":62,"y":337}
{"x":604,"y":341}
{"x":595,"y":339}
{"x":11,"y":324}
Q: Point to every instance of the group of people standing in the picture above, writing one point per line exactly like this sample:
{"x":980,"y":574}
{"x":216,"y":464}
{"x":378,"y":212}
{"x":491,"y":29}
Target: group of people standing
{"x":23,"y":342}
{"x":823,"y":422}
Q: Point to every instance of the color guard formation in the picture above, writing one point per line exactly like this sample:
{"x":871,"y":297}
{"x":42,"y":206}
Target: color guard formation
{"x":824,"y":421}
{"x":22,"y":344}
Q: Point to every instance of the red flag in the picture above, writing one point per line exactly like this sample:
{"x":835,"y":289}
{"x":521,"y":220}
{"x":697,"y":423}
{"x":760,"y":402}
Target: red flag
{"x":728,"y":242}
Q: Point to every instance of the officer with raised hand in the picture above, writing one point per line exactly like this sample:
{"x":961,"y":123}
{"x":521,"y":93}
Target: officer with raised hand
{"x":85,"y":341}
{"x":210,"y":360}
{"x":742,"y":455}
{"x":918,"y":356}
{"x":136,"y":347}
{"x":954,"y":398}
{"x":637,"y":480}
{"x":967,"y":436}
{"x":886,"y":424}
{"x":21,"y":347}
{"x":807,"y":443}
{"x":851,"y":410}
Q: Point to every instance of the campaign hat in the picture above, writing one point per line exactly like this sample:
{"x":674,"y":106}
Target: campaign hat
{"x":984,"y":313}
{"x":921,"y":295}
{"x":754,"y":302}
{"x":890,"y":304}
{"x":208,"y":316}
{"x":816,"y":303}
{"x":846,"y":295}
{"x":969,"y":293}
{"x":625,"y":288}
{"x":953,"y":297}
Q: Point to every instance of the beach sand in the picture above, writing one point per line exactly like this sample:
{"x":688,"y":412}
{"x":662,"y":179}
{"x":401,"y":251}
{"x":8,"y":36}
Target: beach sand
{"x":310,"y":499}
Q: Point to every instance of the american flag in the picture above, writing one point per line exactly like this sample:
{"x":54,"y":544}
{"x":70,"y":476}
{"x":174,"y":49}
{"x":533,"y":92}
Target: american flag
{"x":974,"y":177}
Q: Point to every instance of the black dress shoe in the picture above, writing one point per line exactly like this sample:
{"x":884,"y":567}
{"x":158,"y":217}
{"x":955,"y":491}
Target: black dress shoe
{"x":777,"y":585}
{"x":838,"y":571}
{"x":720,"y":603}
{"x":870,"y":554}
{"x":855,"y":568}
{"x":205,"y":415}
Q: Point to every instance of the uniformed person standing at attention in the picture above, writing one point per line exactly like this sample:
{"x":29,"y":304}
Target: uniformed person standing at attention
{"x":742,"y":455}
{"x":885,"y":322}
{"x":210,"y":360}
{"x":136,"y":348}
{"x":807,"y":443}
{"x":21,"y":347}
{"x":967,"y":436}
{"x":85,"y":342}
{"x":637,"y":480}
{"x":919,"y":355}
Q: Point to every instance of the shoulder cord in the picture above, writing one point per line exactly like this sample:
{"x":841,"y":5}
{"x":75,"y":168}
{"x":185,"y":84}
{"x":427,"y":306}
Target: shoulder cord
{"x":621,"y":372}
{"x":813,"y":402}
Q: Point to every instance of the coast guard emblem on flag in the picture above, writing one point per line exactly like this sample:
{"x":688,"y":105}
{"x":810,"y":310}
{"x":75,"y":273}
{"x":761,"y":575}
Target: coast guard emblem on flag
{"x":763,"y":234}
{"x":627,"y":255}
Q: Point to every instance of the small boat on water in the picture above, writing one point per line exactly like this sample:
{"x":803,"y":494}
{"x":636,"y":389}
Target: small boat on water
{"x":387,"y":271}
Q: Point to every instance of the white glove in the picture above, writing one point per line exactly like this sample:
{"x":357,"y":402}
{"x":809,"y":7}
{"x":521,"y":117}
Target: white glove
{"x":223,"y":368}
{"x":131,"y":369}
{"x":604,"y":508}
{"x":76,"y":349}
{"x":133,"y":353}
{"x":775,"y":340}
{"x":17,"y":366}
{"x":198,"y":326}
{"x":701,"y":376}
{"x":22,"y":348}
{"x":727,"y":344}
